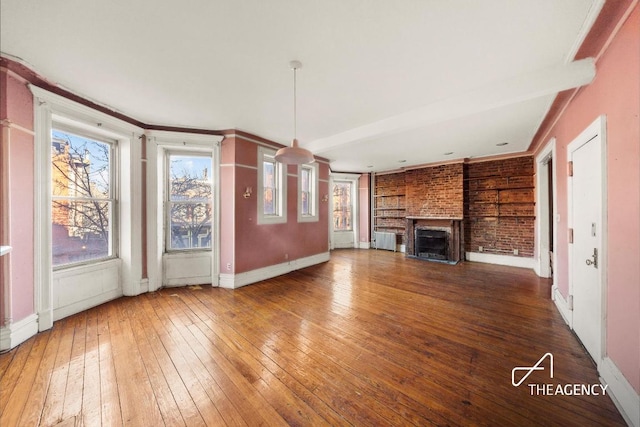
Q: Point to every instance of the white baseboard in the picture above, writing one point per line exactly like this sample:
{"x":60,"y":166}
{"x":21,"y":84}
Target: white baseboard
{"x":563,"y":306}
{"x":364,"y":245}
{"x":85,"y":304}
{"x":622,"y":393}
{"x":144,"y":286}
{"x":508,"y":260}
{"x":18,"y":332}
{"x":233,"y":281}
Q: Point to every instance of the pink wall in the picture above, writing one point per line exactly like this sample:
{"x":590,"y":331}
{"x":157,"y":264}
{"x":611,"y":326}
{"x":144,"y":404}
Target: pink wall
{"x":365,"y":208}
{"x":615,"y":92}
{"x":227,"y":205}
{"x":16,"y":113}
{"x":246,"y":245}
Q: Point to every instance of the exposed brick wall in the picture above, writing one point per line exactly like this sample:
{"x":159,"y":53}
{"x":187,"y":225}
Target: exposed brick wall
{"x":435,"y":192}
{"x":499,"y":206}
{"x":496,"y":199}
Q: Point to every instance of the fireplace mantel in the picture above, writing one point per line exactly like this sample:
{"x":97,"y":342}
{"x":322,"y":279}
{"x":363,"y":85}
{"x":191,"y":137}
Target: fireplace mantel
{"x":453,"y":226}
{"x":436,"y":218}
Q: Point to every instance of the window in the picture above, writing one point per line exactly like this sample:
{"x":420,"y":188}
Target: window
{"x":189,"y":201}
{"x":308,"y":193}
{"x":342,"y":206}
{"x":82,"y":198}
{"x":272,"y":188}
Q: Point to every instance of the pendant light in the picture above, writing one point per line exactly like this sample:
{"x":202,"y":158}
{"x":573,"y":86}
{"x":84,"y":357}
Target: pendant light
{"x":294,"y":155}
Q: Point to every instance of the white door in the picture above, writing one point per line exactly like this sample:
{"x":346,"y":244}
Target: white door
{"x":344,"y":223}
{"x":586,"y":187}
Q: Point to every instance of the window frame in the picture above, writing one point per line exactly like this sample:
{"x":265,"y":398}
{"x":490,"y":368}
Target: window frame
{"x":114,"y":194}
{"x":280,"y":202}
{"x":351,"y":205}
{"x":51,"y":108}
{"x":167,"y":202}
{"x":313,"y":216}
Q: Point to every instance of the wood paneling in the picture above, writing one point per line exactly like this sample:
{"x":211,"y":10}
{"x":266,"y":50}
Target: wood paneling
{"x":369,"y":338}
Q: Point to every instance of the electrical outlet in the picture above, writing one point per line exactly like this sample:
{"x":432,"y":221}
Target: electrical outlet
{"x":515,"y":252}
{"x":480,"y":248}
{"x":228,"y":266}
{"x":286,"y":256}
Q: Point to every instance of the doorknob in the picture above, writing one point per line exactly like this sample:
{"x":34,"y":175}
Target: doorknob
{"x":594,"y":261}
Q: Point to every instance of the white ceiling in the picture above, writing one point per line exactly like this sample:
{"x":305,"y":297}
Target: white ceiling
{"x":382,"y":81}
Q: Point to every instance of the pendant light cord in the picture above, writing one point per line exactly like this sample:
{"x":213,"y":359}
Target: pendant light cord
{"x":295,"y":109}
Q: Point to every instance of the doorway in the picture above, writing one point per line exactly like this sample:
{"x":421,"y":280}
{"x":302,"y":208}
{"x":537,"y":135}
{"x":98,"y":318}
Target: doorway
{"x":546,"y":197}
{"x":344,"y":210}
{"x":587,"y":254}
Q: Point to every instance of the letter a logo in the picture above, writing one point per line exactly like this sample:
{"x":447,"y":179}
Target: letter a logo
{"x":530,"y":369}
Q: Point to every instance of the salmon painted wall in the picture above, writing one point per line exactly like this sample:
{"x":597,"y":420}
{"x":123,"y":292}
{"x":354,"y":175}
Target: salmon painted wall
{"x":16,"y":113}
{"x":246,"y":245}
{"x":615,"y":92}
{"x":227,"y":205}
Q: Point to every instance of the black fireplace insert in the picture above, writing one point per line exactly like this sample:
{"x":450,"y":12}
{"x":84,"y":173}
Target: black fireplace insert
{"x":431,"y":244}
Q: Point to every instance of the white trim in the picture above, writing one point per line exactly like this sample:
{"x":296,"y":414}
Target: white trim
{"x":11,"y":125}
{"x":186,"y":140}
{"x":595,"y":131}
{"x":512,"y":261}
{"x":313,"y":197}
{"x":77,"y":307}
{"x":587,"y":24}
{"x":233,"y":281}
{"x":626,"y":399}
{"x":542,"y":267}
{"x":281,"y":177}
{"x":110,"y":125}
{"x":18,"y":332}
{"x":354,"y":180}
{"x":364,"y":245}
{"x":565,"y":309}
{"x":48,"y":106}
{"x":159,"y":143}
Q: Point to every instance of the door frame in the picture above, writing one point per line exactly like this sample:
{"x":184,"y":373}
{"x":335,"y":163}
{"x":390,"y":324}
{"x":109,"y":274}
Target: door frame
{"x":353,"y":178}
{"x":542,"y":267}
{"x":596,"y":133}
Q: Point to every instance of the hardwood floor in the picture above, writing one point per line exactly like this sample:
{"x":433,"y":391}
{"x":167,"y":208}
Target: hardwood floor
{"x":369,"y":338}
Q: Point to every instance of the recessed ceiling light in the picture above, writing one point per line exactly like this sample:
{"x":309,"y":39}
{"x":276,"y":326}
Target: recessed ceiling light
{"x":402,"y":161}
{"x":448,"y":153}
{"x":502,"y":144}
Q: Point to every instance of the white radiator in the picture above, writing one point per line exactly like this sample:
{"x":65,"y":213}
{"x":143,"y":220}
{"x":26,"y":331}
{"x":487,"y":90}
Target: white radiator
{"x":385,"y":240}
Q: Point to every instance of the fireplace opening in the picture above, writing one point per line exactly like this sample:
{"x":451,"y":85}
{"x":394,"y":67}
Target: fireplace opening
{"x":431,"y":244}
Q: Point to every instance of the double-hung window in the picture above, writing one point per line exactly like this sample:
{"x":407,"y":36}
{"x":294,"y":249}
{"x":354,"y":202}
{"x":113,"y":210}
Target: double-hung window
{"x":189,"y":201}
{"x":308,"y":193}
{"x":272,"y":184}
{"x":82,"y":197}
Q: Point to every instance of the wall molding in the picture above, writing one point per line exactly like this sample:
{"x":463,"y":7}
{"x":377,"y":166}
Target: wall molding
{"x":511,"y":261}
{"x":234,"y":281}
{"x":626,"y":399}
{"x":11,"y":125}
{"x":18,"y":332}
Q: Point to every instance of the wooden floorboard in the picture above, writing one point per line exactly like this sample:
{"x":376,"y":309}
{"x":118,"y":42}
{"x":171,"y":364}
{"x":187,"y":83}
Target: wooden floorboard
{"x":368,"y":338}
